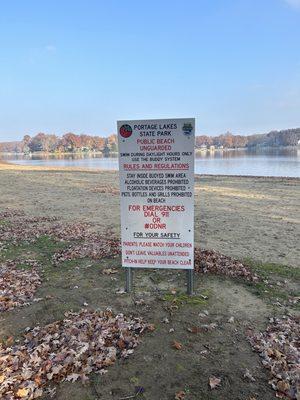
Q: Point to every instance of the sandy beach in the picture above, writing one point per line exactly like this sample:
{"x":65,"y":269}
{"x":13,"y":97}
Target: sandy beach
{"x":243,"y":217}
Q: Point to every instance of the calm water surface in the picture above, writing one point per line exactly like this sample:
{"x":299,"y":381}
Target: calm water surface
{"x":271,"y":162}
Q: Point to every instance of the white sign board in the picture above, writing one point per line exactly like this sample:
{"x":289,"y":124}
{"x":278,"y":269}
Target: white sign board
{"x":156,"y":166}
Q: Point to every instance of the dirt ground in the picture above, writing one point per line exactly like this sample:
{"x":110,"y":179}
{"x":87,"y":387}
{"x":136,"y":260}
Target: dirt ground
{"x":253,"y":218}
{"x":238,"y":216}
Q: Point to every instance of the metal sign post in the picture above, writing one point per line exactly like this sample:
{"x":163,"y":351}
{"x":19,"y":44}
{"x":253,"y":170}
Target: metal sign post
{"x":190,"y":281}
{"x":129,"y":280}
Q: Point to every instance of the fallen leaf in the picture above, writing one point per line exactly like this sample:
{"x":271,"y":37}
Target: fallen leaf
{"x":214,"y":382}
{"x":120,"y":291}
{"x":283,"y":386}
{"x":193,"y":329}
{"x":139,"y":302}
{"x":248,"y":375}
{"x":176,"y":345}
{"x":180,"y":395}
{"x":22,"y":392}
{"x":277,"y":354}
{"x":151,"y":327}
{"x":9,"y":341}
{"x":121,"y":344}
{"x":72,"y":377}
{"x":110,"y":271}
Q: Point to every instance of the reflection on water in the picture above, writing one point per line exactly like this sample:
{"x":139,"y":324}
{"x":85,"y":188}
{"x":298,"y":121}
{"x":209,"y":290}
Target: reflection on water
{"x":262,"y":162}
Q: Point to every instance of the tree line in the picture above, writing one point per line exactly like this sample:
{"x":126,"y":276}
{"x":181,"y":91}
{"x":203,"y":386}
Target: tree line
{"x":72,"y":143}
{"x":286,"y":137}
{"x":68,"y":143}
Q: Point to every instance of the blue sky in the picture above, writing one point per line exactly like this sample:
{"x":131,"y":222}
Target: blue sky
{"x":80,"y":65}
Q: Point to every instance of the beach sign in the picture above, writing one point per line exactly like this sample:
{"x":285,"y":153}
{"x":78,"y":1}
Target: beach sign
{"x":156,"y":167}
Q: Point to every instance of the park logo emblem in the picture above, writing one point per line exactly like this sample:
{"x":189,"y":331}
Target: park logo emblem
{"x":187,"y":129}
{"x":126,"y":131}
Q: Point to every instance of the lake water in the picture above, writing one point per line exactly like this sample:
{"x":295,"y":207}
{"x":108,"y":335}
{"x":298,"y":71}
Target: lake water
{"x":267,"y":162}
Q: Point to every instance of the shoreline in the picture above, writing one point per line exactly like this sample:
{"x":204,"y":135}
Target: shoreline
{"x":5,"y":165}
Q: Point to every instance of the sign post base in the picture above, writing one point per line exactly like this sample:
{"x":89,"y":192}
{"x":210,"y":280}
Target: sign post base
{"x":190,"y":281}
{"x":129,"y":280}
